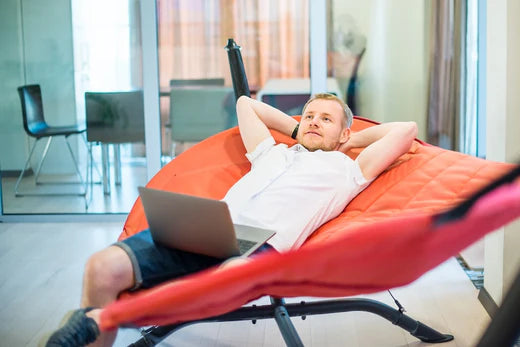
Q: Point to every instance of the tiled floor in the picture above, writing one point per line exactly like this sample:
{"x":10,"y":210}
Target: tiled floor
{"x":40,"y":279}
{"x":120,"y":199}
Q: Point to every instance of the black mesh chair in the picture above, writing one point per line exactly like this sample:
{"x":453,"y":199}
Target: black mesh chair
{"x":35,"y":126}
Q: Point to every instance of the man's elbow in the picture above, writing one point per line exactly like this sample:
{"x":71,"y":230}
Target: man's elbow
{"x":243,"y":105}
{"x":407,"y":132}
{"x":243,"y":100}
{"x":412,"y":129}
{"x":415,"y":129}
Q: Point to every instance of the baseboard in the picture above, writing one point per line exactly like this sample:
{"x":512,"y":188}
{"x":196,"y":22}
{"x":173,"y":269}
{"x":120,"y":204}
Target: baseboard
{"x":15,"y":173}
{"x":487,"y":301}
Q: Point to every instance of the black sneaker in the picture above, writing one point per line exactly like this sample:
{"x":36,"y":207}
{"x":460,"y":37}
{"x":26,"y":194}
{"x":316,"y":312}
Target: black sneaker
{"x":76,"y":330}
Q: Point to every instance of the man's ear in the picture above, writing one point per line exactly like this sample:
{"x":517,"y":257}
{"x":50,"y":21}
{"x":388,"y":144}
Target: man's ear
{"x":345,"y":135}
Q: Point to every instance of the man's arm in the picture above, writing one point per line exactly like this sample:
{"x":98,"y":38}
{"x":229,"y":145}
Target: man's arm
{"x":384,"y":144}
{"x":255,"y":118}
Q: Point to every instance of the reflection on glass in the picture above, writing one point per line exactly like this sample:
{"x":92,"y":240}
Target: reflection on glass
{"x":346,"y":48}
{"x":109,"y":73}
{"x":378,"y":53}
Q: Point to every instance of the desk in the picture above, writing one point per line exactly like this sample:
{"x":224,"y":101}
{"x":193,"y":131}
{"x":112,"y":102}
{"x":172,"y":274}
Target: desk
{"x":166,"y":91}
{"x":290,"y":94}
{"x":114,"y":118}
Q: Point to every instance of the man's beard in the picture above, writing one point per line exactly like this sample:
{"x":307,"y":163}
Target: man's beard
{"x":322,"y":146}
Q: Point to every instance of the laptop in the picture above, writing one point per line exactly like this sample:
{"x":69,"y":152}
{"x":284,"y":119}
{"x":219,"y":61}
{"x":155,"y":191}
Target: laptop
{"x":198,"y":225}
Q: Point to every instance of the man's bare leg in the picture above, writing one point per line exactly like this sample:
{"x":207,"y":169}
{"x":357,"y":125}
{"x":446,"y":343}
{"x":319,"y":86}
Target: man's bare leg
{"x":107,"y":273}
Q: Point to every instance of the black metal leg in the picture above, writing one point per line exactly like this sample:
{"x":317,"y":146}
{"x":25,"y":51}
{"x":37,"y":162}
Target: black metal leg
{"x":289,"y":333}
{"x":282,"y":311}
{"x":416,"y":328}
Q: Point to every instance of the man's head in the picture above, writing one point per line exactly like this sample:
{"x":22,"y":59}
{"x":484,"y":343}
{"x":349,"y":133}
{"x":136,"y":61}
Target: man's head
{"x":325,"y":123}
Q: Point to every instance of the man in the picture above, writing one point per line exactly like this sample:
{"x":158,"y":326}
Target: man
{"x":291,"y":190}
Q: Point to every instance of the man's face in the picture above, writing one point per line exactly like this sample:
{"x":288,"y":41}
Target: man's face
{"x":322,"y":126}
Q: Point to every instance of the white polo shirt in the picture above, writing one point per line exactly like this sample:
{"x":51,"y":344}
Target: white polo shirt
{"x":293,"y":191}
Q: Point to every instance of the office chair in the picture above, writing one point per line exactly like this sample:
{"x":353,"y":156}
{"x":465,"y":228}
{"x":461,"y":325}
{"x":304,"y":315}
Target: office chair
{"x":35,"y":126}
{"x":176,"y":83}
{"x":113,"y":118}
{"x":199,"y":112}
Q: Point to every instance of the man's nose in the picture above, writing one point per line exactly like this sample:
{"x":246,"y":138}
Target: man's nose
{"x":313,"y":122}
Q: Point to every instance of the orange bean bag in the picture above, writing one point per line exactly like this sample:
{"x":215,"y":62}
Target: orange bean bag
{"x":383,"y":239}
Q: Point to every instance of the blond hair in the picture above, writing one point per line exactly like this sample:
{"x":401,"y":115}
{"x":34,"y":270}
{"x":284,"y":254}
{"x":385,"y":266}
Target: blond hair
{"x":347,"y":113}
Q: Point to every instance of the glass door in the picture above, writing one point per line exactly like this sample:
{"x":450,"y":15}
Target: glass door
{"x":197,"y":99}
{"x":76,"y":65}
{"x":87,"y":57}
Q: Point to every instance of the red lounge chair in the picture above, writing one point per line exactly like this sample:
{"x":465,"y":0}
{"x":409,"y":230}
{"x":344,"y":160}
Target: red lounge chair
{"x":386,"y":235}
{"x":401,"y":226}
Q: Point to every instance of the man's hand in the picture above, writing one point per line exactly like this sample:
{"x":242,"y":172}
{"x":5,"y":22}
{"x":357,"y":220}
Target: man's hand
{"x":384,"y":144}
{"x":346,"y":146}
{"x":255,"y":118}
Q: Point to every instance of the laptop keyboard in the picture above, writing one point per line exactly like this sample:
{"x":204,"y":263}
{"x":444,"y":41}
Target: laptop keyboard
{"x":245,"y":245}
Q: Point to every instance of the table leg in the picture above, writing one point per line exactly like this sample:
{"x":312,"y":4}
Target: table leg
{"x":117,"y":163}
{"x":106,"y":168}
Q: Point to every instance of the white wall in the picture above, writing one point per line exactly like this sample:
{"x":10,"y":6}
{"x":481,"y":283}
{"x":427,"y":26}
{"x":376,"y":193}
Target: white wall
{"x":38,"y":38}
{"x":393,"y":75}
{"x":11,"y":127}
{"x":502,"y":249}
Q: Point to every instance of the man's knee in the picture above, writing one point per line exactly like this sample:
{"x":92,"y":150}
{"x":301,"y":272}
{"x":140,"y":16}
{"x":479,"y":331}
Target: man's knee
{"x":110,"y":269}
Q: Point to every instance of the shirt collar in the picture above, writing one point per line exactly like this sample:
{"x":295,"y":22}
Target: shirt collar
{"x":298,"y":148}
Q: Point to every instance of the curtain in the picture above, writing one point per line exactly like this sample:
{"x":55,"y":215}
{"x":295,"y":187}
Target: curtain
{"x":192,"y":34}
{"x":446,"y":105}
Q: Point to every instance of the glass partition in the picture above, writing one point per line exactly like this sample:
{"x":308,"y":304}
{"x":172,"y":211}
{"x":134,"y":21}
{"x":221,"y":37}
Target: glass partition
{"x":86,"y":57}
{"x":196,"y":88}
{"x":70,"y":49}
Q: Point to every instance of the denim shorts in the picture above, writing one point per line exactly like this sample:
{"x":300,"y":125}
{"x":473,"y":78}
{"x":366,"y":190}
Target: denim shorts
{"x":154,"y":263}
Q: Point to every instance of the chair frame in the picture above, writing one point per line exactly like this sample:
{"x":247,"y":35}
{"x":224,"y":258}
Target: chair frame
{"x":40,"y":164}
{"x":503,"y":330}
{"x":49,"y":136}
{"x":282,"y":312}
